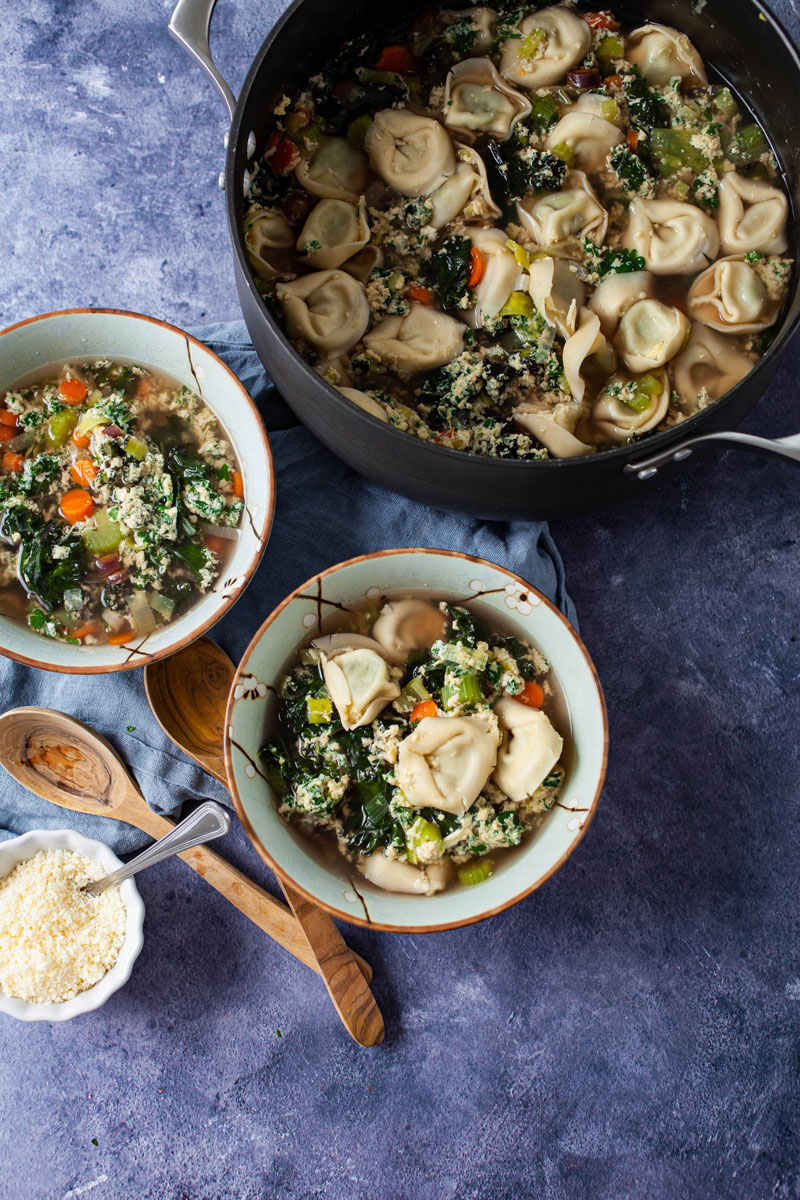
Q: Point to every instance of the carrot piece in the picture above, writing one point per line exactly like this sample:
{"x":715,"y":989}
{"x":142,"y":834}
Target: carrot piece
{"x":84,"y":471}
{"x":85,"y":630}
{"x":8,"y":418}
{"x":13,"y":462}
{"x":143,"y":386}
{"x":600,"y":20}
{"x":425,"y":708}
{"x":633,"y":138}
{"x":532,"y":694}
{"x":419,"y":294}
{"x":217,"y":545}
{"x":476,"y":267}
{"x":119,"y":639}
{"x":7,"y":434}
{"x":73,"y":391}
{"x":238,"y":484}
{"x":395,"y":58}
{"x":76,"y":505}
{"x":614,"y":81}
{"x":81,"y":440}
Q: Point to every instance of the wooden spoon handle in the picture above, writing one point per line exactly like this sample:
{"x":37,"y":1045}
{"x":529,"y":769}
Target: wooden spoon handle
{"x":263,"y":909}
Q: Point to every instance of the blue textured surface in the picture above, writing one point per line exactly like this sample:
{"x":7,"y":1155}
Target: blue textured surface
{"x":630,"y":1031}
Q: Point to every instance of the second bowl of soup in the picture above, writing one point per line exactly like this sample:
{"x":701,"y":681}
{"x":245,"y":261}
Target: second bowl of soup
{"x":136,"y":490}
{"x":417,"y":739}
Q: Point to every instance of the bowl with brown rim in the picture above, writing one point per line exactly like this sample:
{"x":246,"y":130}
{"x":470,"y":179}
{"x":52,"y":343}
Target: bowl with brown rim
{"x":92,"y":333}
{"x":501,"y":600}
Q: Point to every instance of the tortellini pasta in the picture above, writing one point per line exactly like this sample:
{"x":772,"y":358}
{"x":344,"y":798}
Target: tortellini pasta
{"x":586,"y":348}
{"x":617,"y":420}
{"x":364,"y":400}
{"x":465,"y":193}
{"x":419,"y":341}
{"x":480,"y":20}
{"x":708,"y":367}
{"x":333,"y":170}
{"x":662,"y":53}
{"x":588,"y":133}
{"x":674,"y":238}
{"x":557,"y":292}
{"x":445,"y":762}
{"x":752,"y":215}
{"x":650,"y":334}
{"x":478,"y":100}
{"x":500,"y":273}
{"x":412,"y":153}
{"x":614,"y":295}
{"x":406,"y":625}
{"x":555,"y":427}
{"x":575,"y":211}
{"x":396,"y":875}
{"x":359,"y":683}
{"x":266,"y":230}
{"x":731,"y":297}
{"x":550,"y":43}
{"x":334,"y":231}
{"x":327,"y":309}
{"x":531,"y":748}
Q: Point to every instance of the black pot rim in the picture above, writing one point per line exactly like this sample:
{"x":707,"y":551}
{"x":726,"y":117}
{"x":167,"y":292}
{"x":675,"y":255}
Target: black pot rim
{"x":645,"y":447}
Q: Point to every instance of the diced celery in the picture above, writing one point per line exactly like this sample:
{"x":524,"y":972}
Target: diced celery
{"x":421,"y":833}
{"x":319,"y":709}
{"x":415,"y":689}
{"x":357,"y":131}
{"x":449,"y":696}
{"x":518,"y":304}
{"x":91,"y":420}
{"x":647,"y":386}
{"x":609,"y":109}
{"x":673,"y":149}
{"x":163,"y":605}
{"x":565,"y":153}
{"x":611,"y":46}
{"x":469,"y":690}
{"x":545,"y":112}
{"x":60,"y":426}
{"x":531,"y":43}
{"x":135,"y":449}
{"x":520,"y":253}
{"x":725,"y":103}
{"x":748,"y":145}
{"x":680,"y":189}
{"x":105,"y":537}
{"x":477,"y":872}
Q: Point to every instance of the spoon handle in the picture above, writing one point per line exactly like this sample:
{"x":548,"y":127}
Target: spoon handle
{"x":207,"y":822}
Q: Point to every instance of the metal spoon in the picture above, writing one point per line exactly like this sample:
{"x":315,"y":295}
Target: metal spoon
{"x":207,"y":822}
{"x":188,"y":693}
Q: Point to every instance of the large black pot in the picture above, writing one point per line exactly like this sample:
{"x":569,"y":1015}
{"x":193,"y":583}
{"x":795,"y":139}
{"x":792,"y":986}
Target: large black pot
{"x":747,"y":47}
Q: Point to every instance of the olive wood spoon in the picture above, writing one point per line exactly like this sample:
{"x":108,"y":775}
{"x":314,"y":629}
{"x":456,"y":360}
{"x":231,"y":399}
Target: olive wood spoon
{"x":66,"y":762}
{"x":188,"y":693}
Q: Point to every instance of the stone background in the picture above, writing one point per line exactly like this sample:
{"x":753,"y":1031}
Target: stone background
{"x":628,"y":1032}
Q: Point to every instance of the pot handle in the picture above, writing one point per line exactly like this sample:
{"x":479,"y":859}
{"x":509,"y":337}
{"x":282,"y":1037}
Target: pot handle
{"x":646,"y":468}
{"x":189,"y":25}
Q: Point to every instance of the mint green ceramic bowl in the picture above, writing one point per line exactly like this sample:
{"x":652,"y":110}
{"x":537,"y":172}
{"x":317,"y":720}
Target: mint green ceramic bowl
{"x":329,"y":880}
{"x":107,"y":333}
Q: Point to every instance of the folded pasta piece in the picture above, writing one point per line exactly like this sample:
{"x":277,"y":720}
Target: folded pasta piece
{"x":650,"y":334}
{"x":327,"y":309}
{"x":396,"y":875}
{"x":575,"y":211}
{"x":672,"y":237}
{"x":446,"y":761}
{"x":406,"y":625}
{"x":628,"y":406}
{"x":500,"y":273}
{"x":708,"y":367}
{"x":752,"y":215}
{"x":480,"y":22}
{"x":478,"y":100}
{"x":365,"y":401}
{"x":557,"y":292}
{"x":334,"y":231}
{"x":548,"y":43}
{"x":266,"y":230}
{"x":614,"y":295}
{"x":587,"y":348}
{"x":359,"y":683}
{"x":555,"y":428}
{"x":531,"y":748}
{"x":419,"y":341}
{"x":588,"y":133}
{"x":334,"y":170}
{"x":731,"y":297}
{"x":662,"y":53}
{"x":412,"y":153}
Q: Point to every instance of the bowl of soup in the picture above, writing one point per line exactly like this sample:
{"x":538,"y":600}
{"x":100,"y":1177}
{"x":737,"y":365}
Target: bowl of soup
{"x":417,"y":739}
{"x":136,"y":490}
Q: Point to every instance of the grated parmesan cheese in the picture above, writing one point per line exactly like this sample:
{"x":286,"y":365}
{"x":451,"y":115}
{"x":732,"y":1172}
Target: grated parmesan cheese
{"x":55,"y":940}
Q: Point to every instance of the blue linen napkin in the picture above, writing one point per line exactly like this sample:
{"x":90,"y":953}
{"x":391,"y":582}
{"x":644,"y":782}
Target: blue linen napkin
{"x":358,"y":517}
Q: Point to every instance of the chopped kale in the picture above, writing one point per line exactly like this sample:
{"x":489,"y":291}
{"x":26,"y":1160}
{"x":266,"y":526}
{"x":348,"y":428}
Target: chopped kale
{"x":198,"y":559}
{"x":369,"y":823}
{"x":644,"y":105}
{"x":629,"y":169}
{"x":611,"y":262}
{"x":513,"y":171}
{"x":448,"y":271}
{"x":461,"y":36}
{"x":46,"y":577}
